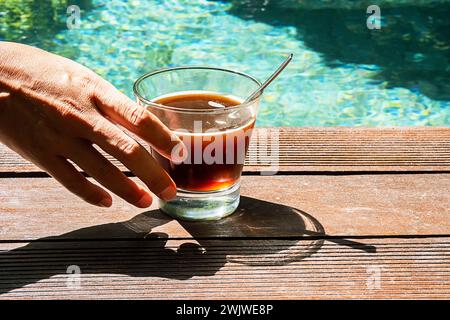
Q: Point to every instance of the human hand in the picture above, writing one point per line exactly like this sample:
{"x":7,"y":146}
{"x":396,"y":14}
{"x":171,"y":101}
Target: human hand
{"x":53,"y":109}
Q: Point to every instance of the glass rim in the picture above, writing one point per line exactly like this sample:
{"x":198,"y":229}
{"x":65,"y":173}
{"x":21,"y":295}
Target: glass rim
{"x":218,"y":110}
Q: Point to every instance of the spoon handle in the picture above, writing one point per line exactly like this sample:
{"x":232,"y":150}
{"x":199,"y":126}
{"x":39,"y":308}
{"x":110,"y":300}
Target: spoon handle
{"x":270,"y":79}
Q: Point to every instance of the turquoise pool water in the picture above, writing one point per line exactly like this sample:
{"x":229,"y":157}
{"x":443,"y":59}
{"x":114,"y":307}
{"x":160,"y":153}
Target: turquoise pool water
{"x":342,"y":73}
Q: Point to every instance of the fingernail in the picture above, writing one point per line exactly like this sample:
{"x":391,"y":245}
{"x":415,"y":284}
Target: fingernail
{"x":106,"y":202}
{"x":168,"y":193}
{"x":145,"y":201}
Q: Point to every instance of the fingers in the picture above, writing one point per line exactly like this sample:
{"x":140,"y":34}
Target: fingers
{"x":98,"y":167}
{"x":134,"y":156}
{"x":120,"y":109}
{"x":75,"y":182}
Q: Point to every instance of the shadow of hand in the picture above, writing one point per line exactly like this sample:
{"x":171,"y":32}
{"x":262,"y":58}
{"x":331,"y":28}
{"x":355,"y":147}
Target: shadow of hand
{"x":133,"y":248}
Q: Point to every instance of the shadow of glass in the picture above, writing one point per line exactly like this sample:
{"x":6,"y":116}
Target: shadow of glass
{"x":259,"y":233}
{"x":411,"y":49}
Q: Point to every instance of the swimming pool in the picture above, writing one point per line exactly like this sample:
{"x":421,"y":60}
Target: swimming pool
{"x":342,"y":74}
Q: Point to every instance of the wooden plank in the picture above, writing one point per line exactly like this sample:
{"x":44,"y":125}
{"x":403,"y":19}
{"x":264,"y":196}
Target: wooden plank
{"x":332,"y":149}
{"x":218,"y":269}
{"x":272,"y":206}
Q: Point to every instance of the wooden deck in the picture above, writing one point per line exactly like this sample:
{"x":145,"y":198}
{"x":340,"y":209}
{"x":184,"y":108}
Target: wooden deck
{"x":351,"y":213}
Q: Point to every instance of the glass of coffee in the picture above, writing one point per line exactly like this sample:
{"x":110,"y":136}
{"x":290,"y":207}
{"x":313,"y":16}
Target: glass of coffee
{"x":205,"y":108}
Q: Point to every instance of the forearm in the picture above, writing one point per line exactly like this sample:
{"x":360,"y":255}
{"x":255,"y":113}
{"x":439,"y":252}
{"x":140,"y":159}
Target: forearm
{"x":23,"y":68}
{"x":6,"y":55}
{"x":9,"y":68}
{"x":13,"y":58}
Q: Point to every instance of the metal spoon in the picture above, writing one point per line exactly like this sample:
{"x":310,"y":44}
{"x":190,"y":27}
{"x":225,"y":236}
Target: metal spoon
{"x":259,"y":90}
{"x":270,"y":79}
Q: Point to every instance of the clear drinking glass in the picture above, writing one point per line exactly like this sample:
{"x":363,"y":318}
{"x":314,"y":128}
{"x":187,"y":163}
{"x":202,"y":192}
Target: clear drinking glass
{"x":208,"y":179}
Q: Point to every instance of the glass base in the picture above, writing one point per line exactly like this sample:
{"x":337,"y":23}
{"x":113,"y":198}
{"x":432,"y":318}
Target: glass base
{"x":201,"y":205}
